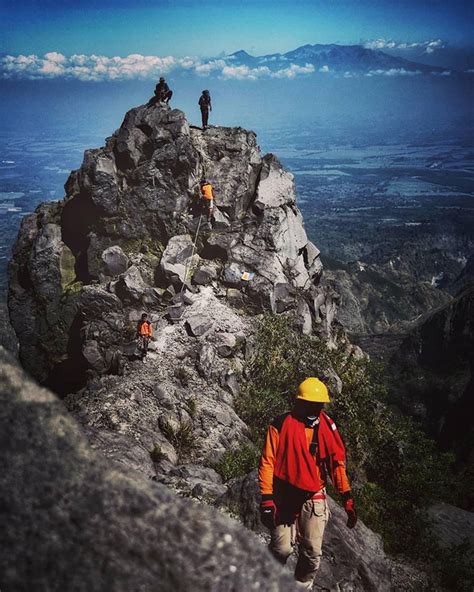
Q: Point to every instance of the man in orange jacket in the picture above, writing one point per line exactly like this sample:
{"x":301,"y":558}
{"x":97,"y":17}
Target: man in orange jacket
{"x":144,"y":334}
{"x":208,"y":197}
{"x":302,"y":448}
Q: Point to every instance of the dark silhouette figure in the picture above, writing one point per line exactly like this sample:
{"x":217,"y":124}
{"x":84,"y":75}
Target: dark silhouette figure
{"x":205,"y":105}
{"x":163,"y":93}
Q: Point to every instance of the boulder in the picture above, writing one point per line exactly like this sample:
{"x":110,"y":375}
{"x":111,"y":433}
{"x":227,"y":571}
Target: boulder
{"x":131,"y":286}
{"x":225,"y":344}
{"x":198,"y":325}
{"x":452,"y":526}
{"x":204,"y":275}
{"x":115,"y":261}
{"x":176,"y":260}
{"x":90,"y":525}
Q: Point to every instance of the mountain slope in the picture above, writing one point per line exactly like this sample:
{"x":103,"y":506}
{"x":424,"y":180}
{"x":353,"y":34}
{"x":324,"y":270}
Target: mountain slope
{"x":338,"y":58}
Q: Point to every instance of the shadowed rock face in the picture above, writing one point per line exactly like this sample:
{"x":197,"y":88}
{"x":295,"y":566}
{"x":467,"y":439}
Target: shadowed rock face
{"x":73,"y":521}
{"x":120,"y":242}
{"x":432,"y":375}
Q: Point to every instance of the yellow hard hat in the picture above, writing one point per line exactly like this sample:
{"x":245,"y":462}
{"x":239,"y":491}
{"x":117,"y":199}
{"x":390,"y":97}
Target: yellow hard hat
{"x":313,"y":390}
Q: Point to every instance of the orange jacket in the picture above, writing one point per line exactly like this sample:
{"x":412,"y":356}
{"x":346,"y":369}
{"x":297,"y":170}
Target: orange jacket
{"x":206,"y":191}
{"x":145,"y":329}
{"x":269,"y":454}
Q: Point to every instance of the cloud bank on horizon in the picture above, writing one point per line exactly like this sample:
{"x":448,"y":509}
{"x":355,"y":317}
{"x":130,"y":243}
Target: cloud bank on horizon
{"x":134,"y":66}
{"x":304,"y":61}
{"x":427,"y":47}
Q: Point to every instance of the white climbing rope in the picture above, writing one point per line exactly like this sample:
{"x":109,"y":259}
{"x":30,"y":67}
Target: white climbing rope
{"x":192,"y":255}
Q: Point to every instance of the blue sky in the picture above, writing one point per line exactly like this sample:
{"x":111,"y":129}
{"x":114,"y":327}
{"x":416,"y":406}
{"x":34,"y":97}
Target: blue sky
{"x":207,"y":28}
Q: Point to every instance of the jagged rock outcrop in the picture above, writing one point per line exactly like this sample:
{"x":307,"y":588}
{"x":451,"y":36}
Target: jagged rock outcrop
{"x":120,"y":242}
{"x":124,"y":241}
{"x":72,"y":520}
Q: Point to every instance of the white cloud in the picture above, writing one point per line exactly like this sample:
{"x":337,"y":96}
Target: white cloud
{"x":245,"y":73}
{"x":293,"y":70}
{"x":443,"y":73}
{"x":134,"y":66}
{"x":53,"y":56}
{"x":206,"y":68}
{"x":99,"y":68}
{"x":393,"y":72}
{"x":426,"y":46}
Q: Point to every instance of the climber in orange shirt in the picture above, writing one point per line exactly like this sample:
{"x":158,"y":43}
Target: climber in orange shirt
{"x":208,"y":197}
{"x":302,"y":448}
{"x":144,"y":334}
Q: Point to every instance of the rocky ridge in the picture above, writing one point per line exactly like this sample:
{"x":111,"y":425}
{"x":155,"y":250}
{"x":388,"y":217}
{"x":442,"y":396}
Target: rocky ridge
{"x":124,"y":240}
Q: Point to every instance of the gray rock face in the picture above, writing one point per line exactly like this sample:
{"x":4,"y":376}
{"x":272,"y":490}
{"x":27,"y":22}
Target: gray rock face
{"x":127,"y":225}
{"x":352,"y":559}
{"x":452,"y":526}
{"x":72,"y":520}
{"x":115,"y":261}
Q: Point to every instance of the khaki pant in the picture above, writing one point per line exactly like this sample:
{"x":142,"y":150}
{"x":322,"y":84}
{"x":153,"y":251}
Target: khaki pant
{"x":308,"y":530}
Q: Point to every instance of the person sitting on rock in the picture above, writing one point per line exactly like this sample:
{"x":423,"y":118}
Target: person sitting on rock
{"x":205,"y":105}
{"x":208,"y":197}
{"x":144,"y":334}
{"x":301,"y":449}
{"x":163,"y":93}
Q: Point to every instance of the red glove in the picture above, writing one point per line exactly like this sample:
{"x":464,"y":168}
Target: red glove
{"x":268,"y":512}
{"x":350,"y":511}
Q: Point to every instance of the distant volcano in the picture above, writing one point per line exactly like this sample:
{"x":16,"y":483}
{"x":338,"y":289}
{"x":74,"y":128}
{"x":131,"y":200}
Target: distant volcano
{"x":339,"y":58}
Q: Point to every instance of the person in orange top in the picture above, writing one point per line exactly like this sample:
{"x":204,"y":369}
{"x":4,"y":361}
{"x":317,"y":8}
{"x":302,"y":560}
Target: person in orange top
{"x":302,"y":449}
{"x":208,"y":197}
{"x":144,"y":334}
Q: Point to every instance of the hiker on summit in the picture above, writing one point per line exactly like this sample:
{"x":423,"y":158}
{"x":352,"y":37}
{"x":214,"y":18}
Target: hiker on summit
{"x":302,"y":448}
{"x":163,"y":93}
{"x":144,"y":334}
{"x":206,"y":106}
{"x":208,"y":197}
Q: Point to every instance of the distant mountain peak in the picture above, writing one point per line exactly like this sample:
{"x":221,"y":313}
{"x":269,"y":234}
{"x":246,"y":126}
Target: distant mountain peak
{"x":241,"y":53}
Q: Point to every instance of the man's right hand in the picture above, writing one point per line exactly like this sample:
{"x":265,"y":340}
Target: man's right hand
{"x":268,"y":513}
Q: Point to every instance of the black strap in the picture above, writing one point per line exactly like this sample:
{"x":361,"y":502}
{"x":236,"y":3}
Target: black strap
{"x":313,"y":447}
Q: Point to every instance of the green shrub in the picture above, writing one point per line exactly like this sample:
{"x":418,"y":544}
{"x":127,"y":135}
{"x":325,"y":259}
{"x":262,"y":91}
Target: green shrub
{"x":237,"y":462}
{"x":156,"y":454}
{"x":456,"y":567}
{"x":182,"y":438}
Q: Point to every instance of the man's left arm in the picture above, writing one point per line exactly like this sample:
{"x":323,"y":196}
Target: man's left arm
{"x":341,"y":483}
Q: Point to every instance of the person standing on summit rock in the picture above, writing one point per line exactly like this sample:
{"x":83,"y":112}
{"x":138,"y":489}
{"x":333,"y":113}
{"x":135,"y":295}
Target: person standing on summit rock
{"x":205,"y":106}
{"x":302,"y":448}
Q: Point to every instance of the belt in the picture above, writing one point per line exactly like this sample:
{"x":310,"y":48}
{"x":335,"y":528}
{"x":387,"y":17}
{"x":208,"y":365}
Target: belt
{"x":319,"y":496}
